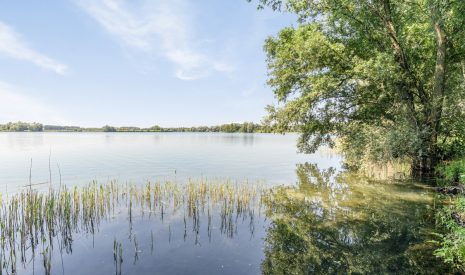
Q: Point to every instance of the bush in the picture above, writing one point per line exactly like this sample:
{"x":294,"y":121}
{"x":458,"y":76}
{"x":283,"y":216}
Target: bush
{"x":451,"y":172}
{"x":452,"y":248}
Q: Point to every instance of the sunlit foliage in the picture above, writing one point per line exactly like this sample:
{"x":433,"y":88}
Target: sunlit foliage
{"x":385,"y":78}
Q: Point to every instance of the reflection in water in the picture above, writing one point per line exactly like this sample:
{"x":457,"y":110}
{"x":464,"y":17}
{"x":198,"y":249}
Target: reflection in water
{"x":138,"y":157}
{"x":343,"y":224}
{"x":328,"y":223}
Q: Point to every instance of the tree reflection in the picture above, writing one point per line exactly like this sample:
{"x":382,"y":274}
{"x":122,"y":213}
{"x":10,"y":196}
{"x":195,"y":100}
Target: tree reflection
{"x":327,"y":223}
{"x":339,"y":224}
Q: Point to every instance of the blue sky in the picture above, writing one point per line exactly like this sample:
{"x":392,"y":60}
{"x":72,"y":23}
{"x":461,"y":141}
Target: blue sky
{"x":134,"y":62}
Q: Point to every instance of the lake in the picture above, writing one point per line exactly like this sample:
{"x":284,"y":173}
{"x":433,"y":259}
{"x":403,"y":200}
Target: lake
{"x":202,"y":203}
{"x":139,"y":157}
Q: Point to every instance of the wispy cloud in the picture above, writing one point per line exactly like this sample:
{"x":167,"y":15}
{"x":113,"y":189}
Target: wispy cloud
{"x":15,"y":106}
{"x":12,"y":45}
{"x":160,"y":27}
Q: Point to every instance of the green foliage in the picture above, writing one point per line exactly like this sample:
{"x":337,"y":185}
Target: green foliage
{"x":451,"y":172}
{"x":230,"y":128}
{"x":57,"y":128}
{"x":155,"y":128}
{"x":386,"y":78}
{"x":129,"y":129}
{"x":452,"y":248}
{"x":363,"y":144}
{"x":453,"y":148}
{"x":246,"y":127}
{"x":460,"y":204}
{"x":22,"y":127}
{"x":108,"y":128}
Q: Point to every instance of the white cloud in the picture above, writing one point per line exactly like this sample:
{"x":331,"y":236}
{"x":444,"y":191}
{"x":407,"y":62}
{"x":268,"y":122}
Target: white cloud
{"x":12,"y":45}
{"x":15,"y":106}
{"x":157,"y":27}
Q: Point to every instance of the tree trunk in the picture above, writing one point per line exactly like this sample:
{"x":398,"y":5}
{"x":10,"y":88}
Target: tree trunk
{"x":425,"y":163}
{"x":439,"y":73}
{"x":423,"y":166}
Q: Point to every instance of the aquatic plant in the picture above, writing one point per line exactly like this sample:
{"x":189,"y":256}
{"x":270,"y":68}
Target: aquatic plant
{"x":33,"y":222}
{"x":328,"y":222}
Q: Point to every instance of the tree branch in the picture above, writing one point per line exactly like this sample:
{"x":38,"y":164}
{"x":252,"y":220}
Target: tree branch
{"x":400,"y":54}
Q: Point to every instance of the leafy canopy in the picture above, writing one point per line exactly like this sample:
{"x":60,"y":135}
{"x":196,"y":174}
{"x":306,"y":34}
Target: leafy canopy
{"x":384,"y":77}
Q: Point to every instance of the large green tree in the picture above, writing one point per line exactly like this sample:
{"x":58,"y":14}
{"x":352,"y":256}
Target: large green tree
{"x":386,"y":78}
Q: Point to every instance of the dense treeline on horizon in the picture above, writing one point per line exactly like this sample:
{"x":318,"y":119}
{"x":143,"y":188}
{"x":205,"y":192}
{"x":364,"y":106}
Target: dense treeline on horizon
{"x":246,"y":127}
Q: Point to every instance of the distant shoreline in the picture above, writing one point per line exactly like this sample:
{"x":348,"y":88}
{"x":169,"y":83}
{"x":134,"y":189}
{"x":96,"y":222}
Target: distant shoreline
{"x":246,"y":127}
{"x":58,"y":131}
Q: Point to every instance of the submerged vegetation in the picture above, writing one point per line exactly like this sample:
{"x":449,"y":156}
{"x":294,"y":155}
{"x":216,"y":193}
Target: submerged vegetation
{"x":35,"y":223}
{"x":327,"y":223}
{"x":383,"y":80}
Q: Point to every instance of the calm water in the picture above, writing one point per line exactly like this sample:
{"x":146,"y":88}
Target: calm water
{"x":308,"y":217}
{"x":138,"y":157}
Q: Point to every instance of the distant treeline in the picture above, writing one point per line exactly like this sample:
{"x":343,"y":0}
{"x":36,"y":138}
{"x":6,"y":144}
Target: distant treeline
{"x":246,"y":127}
{"x":21,"y":127}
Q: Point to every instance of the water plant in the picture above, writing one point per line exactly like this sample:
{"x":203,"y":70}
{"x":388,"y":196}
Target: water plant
{"x":33,"y":221}
{"x":117,"y":256}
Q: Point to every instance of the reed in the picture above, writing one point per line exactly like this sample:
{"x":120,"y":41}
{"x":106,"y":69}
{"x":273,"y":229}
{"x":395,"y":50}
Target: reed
{"x":32,"y":221}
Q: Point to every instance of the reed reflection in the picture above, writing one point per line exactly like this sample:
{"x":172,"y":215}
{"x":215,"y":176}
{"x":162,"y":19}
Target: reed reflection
{"x":36,"y":223}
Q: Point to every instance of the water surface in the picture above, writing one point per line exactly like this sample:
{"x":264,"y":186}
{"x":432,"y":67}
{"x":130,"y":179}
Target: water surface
{"x":138,"y":157}
{"x":306,"y":215}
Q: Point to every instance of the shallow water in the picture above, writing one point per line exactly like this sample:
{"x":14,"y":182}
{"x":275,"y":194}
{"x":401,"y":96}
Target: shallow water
{"x":316,"y":219}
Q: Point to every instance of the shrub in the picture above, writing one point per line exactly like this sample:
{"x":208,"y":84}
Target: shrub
{"x":451,"y":172}
{"x":452,"y":242}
